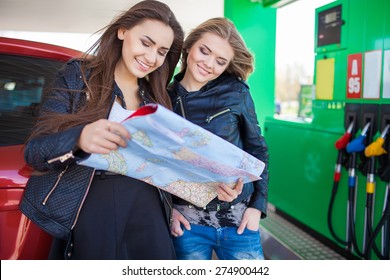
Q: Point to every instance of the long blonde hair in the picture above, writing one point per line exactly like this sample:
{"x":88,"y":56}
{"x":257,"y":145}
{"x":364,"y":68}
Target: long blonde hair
{"x":242,"y":62}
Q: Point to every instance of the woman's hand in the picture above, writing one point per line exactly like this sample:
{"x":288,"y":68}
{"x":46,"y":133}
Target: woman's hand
{"x":102,"y":136}
{"x":250,"y":220}
{"x":177,"y":219}
{"x":225,"y":193}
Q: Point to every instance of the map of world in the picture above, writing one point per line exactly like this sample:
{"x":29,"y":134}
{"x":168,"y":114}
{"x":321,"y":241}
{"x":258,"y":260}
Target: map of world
{"x":173,"y":154}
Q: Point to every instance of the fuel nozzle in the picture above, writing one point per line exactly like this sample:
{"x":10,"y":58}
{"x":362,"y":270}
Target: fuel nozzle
{"x":343,"y":141}
{"x":357,"y":145}
{"x":375,"y":148}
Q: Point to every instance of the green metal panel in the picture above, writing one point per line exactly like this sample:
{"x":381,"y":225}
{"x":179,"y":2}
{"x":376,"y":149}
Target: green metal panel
{"x":374,"y":23}
{"x":301,"y":171}
{"x":386,"y":32}
{"x":257,"y":26}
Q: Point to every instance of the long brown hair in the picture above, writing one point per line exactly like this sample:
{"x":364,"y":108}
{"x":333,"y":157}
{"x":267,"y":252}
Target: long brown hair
{"x":100,"y":61}
{"x":242,"y":62}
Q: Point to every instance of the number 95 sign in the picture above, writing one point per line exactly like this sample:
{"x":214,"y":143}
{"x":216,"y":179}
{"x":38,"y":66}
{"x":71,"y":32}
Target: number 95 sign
{"x":354,"y":80}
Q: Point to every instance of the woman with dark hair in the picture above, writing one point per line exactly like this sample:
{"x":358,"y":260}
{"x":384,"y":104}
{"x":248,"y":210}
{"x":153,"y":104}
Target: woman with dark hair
{"x":211,"y":91}
{"x":132,"y":64}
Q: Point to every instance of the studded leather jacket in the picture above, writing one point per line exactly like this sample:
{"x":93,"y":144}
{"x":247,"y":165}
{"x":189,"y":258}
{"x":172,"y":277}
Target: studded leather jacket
{"x":57,"y":150}
{"x":225,"y":107}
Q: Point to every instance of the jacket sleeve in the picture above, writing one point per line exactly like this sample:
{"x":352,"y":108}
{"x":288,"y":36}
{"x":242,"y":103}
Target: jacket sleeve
{"x":40,"y":150}
{"x":254,"y":144}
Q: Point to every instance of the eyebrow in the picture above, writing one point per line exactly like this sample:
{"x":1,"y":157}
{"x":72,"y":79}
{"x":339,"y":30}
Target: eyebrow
{"x":211,"y":52}
{"x":153,"y":42}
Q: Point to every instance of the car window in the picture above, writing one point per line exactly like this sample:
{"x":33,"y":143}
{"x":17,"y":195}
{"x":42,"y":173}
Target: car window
{"x":22,"y":83}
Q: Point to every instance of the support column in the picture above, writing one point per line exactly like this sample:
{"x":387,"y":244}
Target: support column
{"x":257,"y":26}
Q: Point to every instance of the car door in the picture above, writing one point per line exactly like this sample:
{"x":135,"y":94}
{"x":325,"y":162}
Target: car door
{"x":26,"y":71}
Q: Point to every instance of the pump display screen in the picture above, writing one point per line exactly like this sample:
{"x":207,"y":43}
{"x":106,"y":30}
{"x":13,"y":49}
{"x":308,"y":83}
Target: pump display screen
{"x":330,"y":17}
{"x":329,"y":26}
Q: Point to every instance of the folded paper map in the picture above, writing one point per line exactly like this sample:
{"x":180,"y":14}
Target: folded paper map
{"x":175,"y":155}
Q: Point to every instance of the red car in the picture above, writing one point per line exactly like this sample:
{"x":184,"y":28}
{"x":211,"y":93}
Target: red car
{"x":26,"y":69}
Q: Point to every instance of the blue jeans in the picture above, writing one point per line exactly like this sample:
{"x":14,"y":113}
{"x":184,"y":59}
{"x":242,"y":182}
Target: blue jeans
{"x":199,"y":243}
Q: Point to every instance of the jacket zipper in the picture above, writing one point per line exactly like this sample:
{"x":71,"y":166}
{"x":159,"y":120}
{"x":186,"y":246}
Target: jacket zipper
{"x":62,"y":158}
{"x":209,"y":119}
{"x":54,"y":186}
{"x":82,"y":202}
{"x":180,"y":100}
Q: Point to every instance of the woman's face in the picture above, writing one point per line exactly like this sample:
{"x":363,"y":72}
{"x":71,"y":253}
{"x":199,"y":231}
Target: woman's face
{"x":145,"y":47}
{"x":207,"y":59}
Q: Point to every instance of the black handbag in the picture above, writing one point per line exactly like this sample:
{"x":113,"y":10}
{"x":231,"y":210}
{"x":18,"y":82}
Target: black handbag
{"x":53,"y":199}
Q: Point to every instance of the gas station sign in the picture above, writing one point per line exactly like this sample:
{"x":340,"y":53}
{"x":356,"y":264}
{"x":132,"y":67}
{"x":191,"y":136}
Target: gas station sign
{"x":354,"y":76}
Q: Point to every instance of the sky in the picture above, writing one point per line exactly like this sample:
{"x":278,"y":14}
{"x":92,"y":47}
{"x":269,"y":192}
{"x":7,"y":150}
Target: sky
{"x":295,"y":33}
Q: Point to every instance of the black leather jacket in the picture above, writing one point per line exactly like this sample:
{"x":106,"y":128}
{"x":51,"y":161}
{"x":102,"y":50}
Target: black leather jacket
{"x":225,"y":107}
{"x":55,"y":151}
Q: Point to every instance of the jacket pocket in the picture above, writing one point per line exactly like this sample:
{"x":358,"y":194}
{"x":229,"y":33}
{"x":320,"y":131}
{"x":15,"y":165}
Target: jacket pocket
{"x":52,"y":189}
{"x":224,"y":123}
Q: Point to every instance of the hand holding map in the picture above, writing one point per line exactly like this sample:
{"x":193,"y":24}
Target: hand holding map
{"x":175,"y":155}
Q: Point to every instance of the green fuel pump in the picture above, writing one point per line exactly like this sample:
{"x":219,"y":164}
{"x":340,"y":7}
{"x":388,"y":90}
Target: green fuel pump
{"x":351,"y":72}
